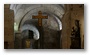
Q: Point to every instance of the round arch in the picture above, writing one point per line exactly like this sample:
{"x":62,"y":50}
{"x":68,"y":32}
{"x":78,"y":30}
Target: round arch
{"x":59,"y":11}
{"x":32,"y":28}
{"x":57,"y":19}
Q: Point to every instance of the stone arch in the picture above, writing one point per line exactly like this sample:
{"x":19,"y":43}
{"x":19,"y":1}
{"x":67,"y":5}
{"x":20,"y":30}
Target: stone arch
{"x":32,"y":28}
{"x":16,"y":7}
{"x":56,"y":11}
{"x":57,"y":19}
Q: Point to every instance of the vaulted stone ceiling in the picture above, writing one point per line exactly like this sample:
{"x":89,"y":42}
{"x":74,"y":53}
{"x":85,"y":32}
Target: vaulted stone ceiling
{"x":23,"y":12}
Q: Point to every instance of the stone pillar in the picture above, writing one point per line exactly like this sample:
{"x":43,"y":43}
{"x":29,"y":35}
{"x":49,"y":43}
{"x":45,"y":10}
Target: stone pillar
{"x":66,"y":30}
{"x":8,"y":26}
{"x":18,"y":40}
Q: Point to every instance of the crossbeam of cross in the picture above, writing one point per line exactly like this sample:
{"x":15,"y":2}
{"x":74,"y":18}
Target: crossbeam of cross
{"x":40,"y":17}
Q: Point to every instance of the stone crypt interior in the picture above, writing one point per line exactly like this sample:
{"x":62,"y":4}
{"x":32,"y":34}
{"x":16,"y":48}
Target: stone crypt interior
{"x":43,"y":26}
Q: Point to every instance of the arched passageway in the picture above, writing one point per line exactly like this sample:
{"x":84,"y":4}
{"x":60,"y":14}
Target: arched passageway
{"x":51,"y":27}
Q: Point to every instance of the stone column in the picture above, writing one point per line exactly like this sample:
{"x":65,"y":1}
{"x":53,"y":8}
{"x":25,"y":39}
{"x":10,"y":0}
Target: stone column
{"x":8,"y":26}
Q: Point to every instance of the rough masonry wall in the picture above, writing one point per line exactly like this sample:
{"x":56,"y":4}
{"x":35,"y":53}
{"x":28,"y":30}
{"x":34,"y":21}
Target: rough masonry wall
{"x":66,"y":30}
{"x":78,"y":14}
{"x":73,"y":12}
{"x":8,"y":26}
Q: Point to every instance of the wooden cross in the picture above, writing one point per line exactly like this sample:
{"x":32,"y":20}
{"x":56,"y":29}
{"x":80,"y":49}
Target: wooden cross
{"x":40,"y":17}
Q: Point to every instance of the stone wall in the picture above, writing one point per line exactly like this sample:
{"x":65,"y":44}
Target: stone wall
{"x":66,"y":30}
{"x":8,"y":26}
{"x":73,"y":12}
{"x":78,"y":14}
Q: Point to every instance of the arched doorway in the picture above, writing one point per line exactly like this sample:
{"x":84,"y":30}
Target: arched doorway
{"x":51,"y":30}
{"x":30,"y":36}
{"x":28,"y":42}
{"x":52,"y":25}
